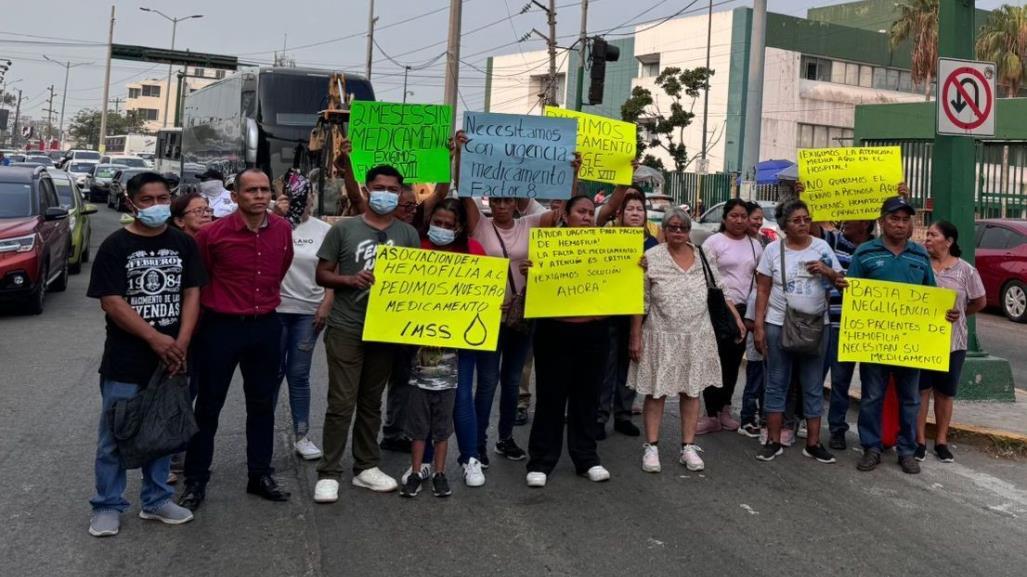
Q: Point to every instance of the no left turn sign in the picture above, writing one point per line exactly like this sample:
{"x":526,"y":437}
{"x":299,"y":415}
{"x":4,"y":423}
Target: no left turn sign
{"x":966,"y":97}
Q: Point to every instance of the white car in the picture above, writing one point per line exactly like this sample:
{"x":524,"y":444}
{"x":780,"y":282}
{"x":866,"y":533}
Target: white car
{"x":76,"y":154}
{"x":709,"y":223}
{"x":80,"y":171}
{"x":125,"y":160}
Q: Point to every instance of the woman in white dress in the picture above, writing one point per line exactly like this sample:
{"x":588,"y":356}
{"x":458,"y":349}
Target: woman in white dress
{"x":673,"y":348}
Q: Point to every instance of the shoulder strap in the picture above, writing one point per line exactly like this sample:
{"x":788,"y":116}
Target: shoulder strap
{"x":784,"y":282}
{"x":509,"y":268}
{"x":756,"y":261}
{"x":707,"y":273}
{"x":502,"y":244}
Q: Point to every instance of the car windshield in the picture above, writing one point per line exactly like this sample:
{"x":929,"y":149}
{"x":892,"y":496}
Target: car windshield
{"x":105,"y":172}
{"x":133,"y":162}
{"x":81,"y":167}
{"x":44,"y":160}
{"x":87,"y":155}
{"x":64,"y":192}
{"x":15,"y":200}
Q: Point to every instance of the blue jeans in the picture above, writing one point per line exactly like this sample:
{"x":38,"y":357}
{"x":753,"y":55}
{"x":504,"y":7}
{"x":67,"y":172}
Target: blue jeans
{"x":780,"y":366}
{"x":874,"y":381}
{"x":841,"y":378}
{"x":298,"y":341}
{"x":755,"y":384}
{"x":110,"y":476}
{"x":465,"y":418}
{"x":502,"y":369}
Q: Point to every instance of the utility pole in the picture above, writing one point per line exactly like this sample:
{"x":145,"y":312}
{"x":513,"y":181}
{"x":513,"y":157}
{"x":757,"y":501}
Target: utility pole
{"x":174,"y":29}
{"x":549,"y":96}
{"x":453,"y":55}
{"x":703,"y":167}
{"x":17,"y":112}
{"x":64,"y":95}
{"x":102,"y":145}
{"x":117,"y":105}
{"x":754,"y":97}
{"x":406,"y":71}
{"x":371,"y":20}
{"x":582,"y":49}
{"x":49,"y":114}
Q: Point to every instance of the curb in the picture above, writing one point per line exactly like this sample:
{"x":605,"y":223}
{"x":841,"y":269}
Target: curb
{"x":1005,"y":443}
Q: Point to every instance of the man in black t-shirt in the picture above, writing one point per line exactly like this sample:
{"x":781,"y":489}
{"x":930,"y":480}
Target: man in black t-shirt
{"x":147,"y":277}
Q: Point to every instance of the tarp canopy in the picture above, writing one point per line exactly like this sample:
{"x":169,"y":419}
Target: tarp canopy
{"x":768,"y":170}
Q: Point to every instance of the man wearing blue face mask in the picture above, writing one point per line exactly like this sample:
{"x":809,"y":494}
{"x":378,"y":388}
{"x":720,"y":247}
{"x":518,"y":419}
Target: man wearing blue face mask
{"x":147,"y":277}
{"x":357,"y":370}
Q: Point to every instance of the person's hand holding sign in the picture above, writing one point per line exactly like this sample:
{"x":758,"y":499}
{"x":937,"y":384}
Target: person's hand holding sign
{"x":525,"y":265}
{"x":362,"y":280}
{"x":952,"y":315}
{"x":282,"y":205}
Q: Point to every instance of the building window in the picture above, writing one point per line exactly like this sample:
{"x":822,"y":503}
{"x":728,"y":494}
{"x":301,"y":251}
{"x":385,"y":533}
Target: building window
{"x":539,"y":84}
{"x":150,"y":90}
{"x":133,"y":93}
{"x":219,"y":74}
{"x":199,"y":72}
{"x":819,"y":136}
{"x":816,"y":68}
{"x":648,"y":65}
{"x":905,"y":81}
{"x":866,"y":76}
{"x":147,"y":113}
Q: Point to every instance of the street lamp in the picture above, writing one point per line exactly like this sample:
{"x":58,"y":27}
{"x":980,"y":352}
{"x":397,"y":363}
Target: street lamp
{"x":64,"y":95}
{"x":174,"y":27}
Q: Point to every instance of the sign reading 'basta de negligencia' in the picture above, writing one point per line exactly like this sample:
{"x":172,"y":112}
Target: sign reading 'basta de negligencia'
{"x":513,"y":155}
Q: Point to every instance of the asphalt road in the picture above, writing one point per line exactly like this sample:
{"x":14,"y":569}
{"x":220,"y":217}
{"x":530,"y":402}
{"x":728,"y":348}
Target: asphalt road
{"x":1003,"y":338}
{"x":739,"y":517}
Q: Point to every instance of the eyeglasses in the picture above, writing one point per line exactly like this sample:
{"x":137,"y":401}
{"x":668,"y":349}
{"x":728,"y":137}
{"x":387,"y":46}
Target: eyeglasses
{"x":676,"y":228}
{"x":407,"y":205}
{"x":800,"y":220}
{"x":200,"y":210}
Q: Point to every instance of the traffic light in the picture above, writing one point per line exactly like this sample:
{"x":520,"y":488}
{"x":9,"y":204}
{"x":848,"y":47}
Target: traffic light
{"x":602,"y":52}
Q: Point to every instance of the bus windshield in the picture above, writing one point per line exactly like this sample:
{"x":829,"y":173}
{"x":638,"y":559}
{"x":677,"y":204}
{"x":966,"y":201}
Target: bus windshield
{"x":295,"y":99}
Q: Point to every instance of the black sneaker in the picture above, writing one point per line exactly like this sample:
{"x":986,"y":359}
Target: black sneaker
{"x":869,"y":461}
{"x":412,"y":487}
{"x":626,"y":427}
{"x":837,"y":441}
{"x":819,"y":453}
{"x":440,"y":485}
{"x":751,"y":430}
{"x":909,"y":465}
{"x":483,"y":457}
{"x":522,"y":417}
{"x":395,"y":444}
{"x":921,"y":452}
{"x":600,"y":431}
{"x":509,"y":449}
{"x":769,"y":451}
{"x":943,"y":453}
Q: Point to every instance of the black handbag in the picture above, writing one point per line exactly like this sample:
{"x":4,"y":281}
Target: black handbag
{"x":156,"y":422}
{"x":724,"y":325}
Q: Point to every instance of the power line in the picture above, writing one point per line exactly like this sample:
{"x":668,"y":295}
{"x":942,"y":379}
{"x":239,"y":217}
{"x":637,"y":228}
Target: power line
{"x":661,"y":22}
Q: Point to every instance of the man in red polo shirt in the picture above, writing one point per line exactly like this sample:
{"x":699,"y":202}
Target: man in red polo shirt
{"x":247,"y":254}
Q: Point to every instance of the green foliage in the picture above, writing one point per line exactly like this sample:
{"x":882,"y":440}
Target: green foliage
{"x":1003,"y":40}
{"x":667,"y":129}
{"x":85,"y":126}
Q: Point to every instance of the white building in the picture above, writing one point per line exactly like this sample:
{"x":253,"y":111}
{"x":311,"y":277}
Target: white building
{"x":147,"y":97}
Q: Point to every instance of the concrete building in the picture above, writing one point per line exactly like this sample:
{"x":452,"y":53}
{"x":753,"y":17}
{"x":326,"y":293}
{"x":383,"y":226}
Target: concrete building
{"x":817,"y":70}
{"x":146,"y":97}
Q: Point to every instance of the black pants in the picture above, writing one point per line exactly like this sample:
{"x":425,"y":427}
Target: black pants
{"x":616,"y":397}
{"x":570,"y":361}
{"x":730,"y":360}
{"x":222,"y":343}
{"x":396,"y":398}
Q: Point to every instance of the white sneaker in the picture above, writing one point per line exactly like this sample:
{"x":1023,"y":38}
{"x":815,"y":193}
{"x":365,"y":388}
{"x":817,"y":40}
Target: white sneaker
{"x":426,"y":472}
{"x":473,"y":475}
{"x":326,"y":491}
{"x":306,"y":449}
{"x":787,"y":437}
{"x":801,"y":433}
{"x":598,"y":474}
{"x":536,"y":479}
{"x":763,"y":436}
{"x":690,"y":457}
{"x":375,"y":480}
{"x":650,"y":458}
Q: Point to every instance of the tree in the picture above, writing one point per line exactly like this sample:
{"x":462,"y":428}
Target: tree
{"x":668,"y":130}
{"x":85,"y":126}
{"x":9,"y":99}
{"x":918,"y":21}
{"x":1003,"y":40}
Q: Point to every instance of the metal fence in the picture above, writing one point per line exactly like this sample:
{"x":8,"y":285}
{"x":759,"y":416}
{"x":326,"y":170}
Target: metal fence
{"x":1001,"y":175}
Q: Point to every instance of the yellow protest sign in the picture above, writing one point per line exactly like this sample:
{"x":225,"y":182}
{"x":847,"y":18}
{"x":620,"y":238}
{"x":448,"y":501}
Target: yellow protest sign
{"x":897,"y":324}
{"x":849,"y":183}
{"x":584,"y":271}
{"x":435,"y":298}
{"x":607,"y":146}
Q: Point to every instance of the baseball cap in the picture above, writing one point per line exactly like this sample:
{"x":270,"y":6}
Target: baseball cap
{"x":895,"y":204}
{"x":211,"y":174}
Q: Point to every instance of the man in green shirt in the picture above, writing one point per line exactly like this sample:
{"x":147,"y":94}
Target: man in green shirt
{"x":357,"y":370}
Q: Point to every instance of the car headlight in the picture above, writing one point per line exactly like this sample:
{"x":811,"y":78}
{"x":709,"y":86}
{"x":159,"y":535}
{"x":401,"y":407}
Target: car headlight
{"x":71,"y":221}
{"x":18,"y":244}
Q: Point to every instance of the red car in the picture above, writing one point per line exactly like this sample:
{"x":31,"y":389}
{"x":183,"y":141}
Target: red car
{"x":1001,"y":258}
{"x":35,"y":238}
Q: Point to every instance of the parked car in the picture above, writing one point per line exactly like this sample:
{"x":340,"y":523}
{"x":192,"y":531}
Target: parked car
{"x":80,"y":154}
{"x":16,"y":158}
{"x":78,"y":218}
{"x":709,"y":223}
{"x":122,"y":160}
{"x":98,"y":183}
{"x":35,"y":237}
{"x":40,"y":159}
{"x":81,"y":170}
{"x":117,"y":195}
{"x":1001,"y":258}
{"x":655,"y":205}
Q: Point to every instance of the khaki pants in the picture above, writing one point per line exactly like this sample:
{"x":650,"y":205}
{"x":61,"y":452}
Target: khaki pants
{"x":524,"y":395}
{"x":357,"y":374}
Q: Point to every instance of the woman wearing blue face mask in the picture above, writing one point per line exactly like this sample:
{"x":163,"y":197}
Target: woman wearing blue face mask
{"x":447,"y":231}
